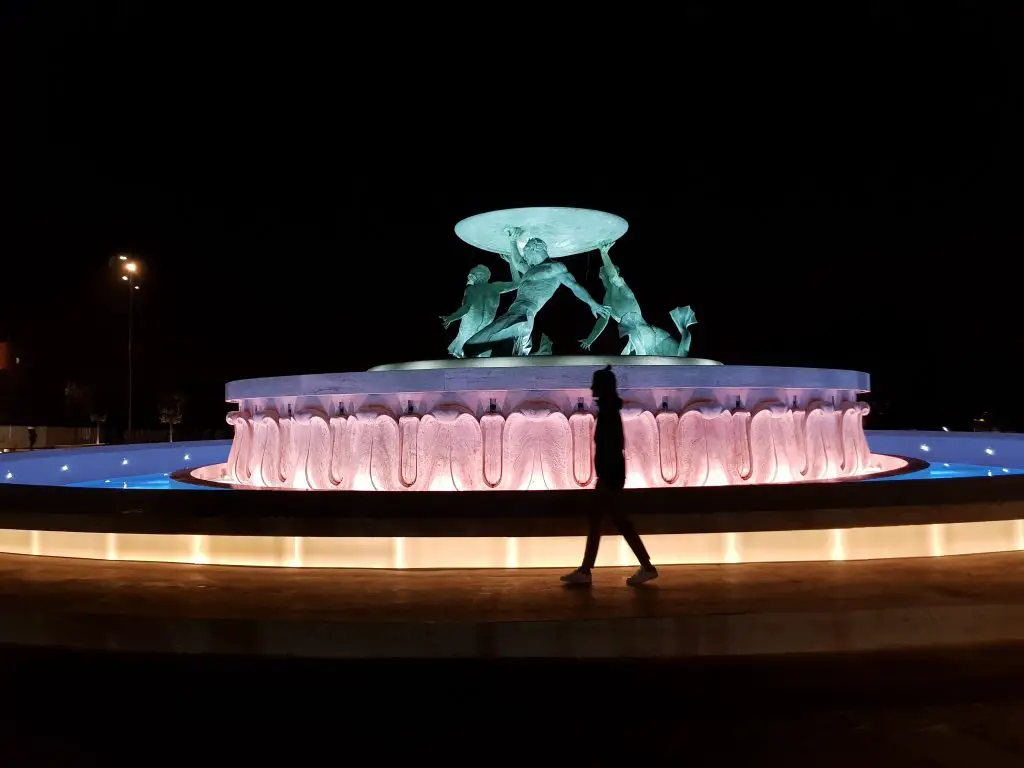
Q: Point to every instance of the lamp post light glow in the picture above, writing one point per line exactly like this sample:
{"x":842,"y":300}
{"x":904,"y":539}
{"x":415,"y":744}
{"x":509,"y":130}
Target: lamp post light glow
{"x":130,"y":270}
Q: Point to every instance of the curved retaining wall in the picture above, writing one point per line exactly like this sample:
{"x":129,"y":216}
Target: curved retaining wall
{"x":65,"y":466}
{"x":822,"y":521}
{"x":531,"y":428}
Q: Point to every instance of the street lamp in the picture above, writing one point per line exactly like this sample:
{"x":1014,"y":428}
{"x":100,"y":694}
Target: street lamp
{"x":130,"y":270}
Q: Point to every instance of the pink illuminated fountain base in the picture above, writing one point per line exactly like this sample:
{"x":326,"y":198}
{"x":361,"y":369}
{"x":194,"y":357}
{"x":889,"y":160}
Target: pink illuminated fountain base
{"x":436,"y":427}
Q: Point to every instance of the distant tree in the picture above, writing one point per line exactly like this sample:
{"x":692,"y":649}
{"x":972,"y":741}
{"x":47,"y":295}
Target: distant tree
{"x":170,"y":412}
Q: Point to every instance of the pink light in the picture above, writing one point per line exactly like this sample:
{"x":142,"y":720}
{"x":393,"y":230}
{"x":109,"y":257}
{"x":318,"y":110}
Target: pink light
{"x":537,"y":447}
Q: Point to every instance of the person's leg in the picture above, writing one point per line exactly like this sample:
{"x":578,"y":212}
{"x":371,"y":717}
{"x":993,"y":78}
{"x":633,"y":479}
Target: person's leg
{"x":466,"y":332}
{"x":582,"y":574}
{"x":593,"y":541}
{"x":523,"y":346}
{"x":625,"y":527}
{"x":628,"y":531}
{"x":508,"y":327}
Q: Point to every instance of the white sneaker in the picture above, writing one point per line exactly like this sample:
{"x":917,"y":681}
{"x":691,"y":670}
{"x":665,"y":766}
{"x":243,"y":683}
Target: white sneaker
{"x":642,"y":575}
{"x":577,"y":577}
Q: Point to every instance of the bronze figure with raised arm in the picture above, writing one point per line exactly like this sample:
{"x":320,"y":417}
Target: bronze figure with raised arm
{"x":539,"y":278}
{"x":479,"y":306}
{"x":643,"y":338}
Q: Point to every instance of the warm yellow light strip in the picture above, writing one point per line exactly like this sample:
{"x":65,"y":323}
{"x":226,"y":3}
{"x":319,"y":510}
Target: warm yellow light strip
{"x":930,"y":540}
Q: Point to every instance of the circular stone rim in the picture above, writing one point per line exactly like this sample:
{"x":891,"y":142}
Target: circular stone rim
{"x":461,"y":225}
{"x":543,"y":361}
{"x":733,"y":378}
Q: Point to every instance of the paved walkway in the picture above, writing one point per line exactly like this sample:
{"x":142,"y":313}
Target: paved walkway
{"x":944,"y":706}
{"x":191,"y":591}
{"x":691,"y":610}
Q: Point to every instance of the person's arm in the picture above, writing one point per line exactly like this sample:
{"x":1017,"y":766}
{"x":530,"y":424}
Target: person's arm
{"x":456,"y":315}
{"x":569,"y":282}
{"x":599,"y":326}
{"x":516,"y":267}
{"x":459,"y":313}
{"x":620,"y":436}
{"x":506,"y":287}
{"x":513,"y":267}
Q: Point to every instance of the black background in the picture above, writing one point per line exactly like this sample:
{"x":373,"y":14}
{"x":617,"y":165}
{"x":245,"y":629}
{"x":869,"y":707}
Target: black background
{"x":833,"y":191}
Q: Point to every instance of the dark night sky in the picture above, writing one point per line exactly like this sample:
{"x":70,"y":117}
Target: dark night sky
{"x":824,"y":192}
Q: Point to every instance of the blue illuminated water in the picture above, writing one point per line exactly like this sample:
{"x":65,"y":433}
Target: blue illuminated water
{"x":936,"y":471}
{"x":156,"y":482}
{"x":943,"y":471}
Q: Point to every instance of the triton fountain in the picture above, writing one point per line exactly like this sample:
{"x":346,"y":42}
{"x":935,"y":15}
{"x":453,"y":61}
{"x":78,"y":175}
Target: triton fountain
{"x":500,"y":415}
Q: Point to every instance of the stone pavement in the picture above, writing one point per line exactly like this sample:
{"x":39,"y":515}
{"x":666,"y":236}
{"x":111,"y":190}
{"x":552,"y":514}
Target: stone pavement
{"x":692,"y":610}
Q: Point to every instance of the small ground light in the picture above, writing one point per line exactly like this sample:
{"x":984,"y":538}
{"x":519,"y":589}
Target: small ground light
{"x":187,"y":457}
{"x":925,"y":447}
{"x":945,"y":429}
{"x":10,"y":475}
{"x":64,"y":468}
{"x":990,"y":452}
{"x":124,"y":462}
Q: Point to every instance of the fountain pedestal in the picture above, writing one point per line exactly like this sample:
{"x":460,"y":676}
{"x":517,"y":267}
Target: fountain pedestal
{"x":527,"y":424}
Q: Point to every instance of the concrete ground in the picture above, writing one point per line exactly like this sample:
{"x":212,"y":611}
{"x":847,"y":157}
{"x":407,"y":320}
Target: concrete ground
{"x":935,"y":696}
{"x":723,"y":610}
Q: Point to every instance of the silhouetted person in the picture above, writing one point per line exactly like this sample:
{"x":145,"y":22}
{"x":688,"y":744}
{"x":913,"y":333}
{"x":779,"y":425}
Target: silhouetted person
{"x":31,"y":438}
{"x":610,"y":467}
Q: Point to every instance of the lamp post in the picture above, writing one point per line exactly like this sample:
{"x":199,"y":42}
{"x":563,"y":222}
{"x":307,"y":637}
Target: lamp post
{"x":130,"y":272}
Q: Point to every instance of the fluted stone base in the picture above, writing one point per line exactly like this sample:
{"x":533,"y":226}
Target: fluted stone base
{"x":532,"y":428}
